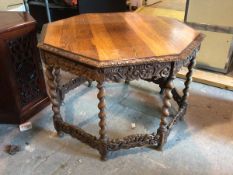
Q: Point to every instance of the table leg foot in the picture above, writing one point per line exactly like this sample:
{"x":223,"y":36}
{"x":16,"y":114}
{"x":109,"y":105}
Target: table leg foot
{"x":103,"y":158}
{"x":162,"y":139}
{"x":182,"y":118}
{"x":60,"y":134}
{"x":103,"y":154}
{"x":159,"y":148}
{"x":56,"y":127}
{"x":89,"y":83}
{"x":127,"y":82}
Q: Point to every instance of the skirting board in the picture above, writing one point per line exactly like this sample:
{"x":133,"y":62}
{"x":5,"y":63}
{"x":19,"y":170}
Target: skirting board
{"x":209,"y":78}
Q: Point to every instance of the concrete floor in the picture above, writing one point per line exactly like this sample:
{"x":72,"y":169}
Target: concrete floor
{"x":202,"y":144}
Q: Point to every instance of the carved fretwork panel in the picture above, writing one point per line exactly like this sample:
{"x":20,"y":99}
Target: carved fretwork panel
{"x":25,"y":67}
{"x":134,"y":72}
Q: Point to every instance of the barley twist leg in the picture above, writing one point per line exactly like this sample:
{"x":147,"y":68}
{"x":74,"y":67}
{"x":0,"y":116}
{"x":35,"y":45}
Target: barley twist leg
{"x":102,"y":122}
{"x":58,"y":83}
{"x":187,"y":83}
{"x":54,"y":98}
{"x":188,"y":80}
{"x":165,"y":112}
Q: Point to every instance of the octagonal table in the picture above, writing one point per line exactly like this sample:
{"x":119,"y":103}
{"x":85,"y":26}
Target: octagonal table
{"x":119,"y":47}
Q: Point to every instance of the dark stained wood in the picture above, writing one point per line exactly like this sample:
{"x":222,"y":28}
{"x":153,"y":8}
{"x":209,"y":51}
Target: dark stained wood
{"x":120,"y":47}
{"x":119,"y":36}
{"x":101,"y":6}
{"x":22,"y":86}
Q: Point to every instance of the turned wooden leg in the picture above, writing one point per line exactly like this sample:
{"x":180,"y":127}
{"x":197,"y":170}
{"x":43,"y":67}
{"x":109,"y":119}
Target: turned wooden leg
{"x":54,"y":98}
{"x":187,"y":83}
{"x":188,"y":80}
{"x":165,"y":112}
{"x":58,"y":83}
{"x":102,"y":122}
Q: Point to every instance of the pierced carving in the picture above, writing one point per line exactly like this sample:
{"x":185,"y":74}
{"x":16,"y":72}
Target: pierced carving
{"x":23,"y":53}
{"x":132,"y":141}
{"x":79,"y":134}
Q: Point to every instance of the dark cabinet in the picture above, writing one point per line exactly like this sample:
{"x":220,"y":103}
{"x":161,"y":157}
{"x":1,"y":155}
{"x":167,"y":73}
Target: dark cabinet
{"x":22,"y":86}
{"x":100,"y":6}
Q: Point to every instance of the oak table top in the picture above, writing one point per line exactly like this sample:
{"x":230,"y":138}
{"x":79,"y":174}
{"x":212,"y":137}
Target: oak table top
{"x":103,"y":40}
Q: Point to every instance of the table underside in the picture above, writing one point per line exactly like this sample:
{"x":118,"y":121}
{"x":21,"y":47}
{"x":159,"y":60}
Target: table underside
{"x":162,"y":73}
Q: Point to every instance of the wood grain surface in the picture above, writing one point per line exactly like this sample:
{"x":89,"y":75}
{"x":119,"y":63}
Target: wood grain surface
{"x":119,"y":36}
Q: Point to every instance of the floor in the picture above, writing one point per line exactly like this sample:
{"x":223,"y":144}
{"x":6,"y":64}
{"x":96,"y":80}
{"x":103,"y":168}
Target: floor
{"x":201,"y":144}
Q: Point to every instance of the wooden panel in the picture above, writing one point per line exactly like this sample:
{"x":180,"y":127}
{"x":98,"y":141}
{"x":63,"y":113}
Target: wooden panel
{"x":213,"y":12}
{"x":215,"y":51}
{"x":119,"y":36}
